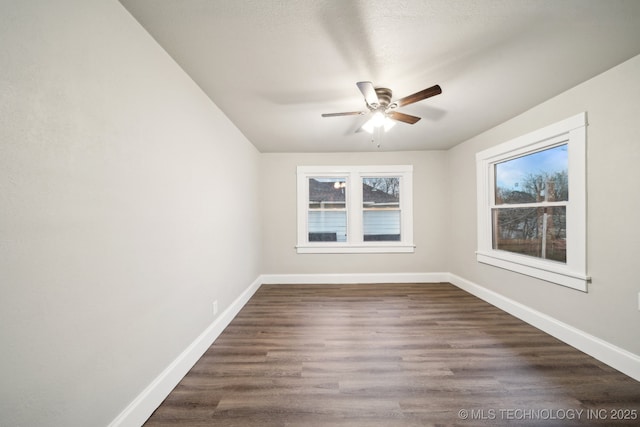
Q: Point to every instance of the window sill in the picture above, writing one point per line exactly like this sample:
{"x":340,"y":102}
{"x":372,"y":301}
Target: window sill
{"x":540,"y":269}
{"x":354,"y":249}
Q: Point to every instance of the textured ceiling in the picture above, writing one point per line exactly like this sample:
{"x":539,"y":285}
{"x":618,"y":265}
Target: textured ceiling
{"x":274,"y":66}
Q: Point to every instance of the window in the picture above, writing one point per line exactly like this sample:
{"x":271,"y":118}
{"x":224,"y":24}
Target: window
{"x":327,"y":214}
{"x":532,"y":204}
{"x":529,"y":211}
{"x":381,"y":212}
{"x":355,"y":209}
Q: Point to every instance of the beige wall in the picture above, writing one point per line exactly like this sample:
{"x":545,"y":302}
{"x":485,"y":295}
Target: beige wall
{"x":609,"y":310}
{"x":430,"y":212}
{"x":128,"y":202}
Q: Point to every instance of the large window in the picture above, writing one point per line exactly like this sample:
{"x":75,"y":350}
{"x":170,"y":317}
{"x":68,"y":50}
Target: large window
{"x":529,"y":210}
{"x":531,"y":204}
{"x":355,"y":209}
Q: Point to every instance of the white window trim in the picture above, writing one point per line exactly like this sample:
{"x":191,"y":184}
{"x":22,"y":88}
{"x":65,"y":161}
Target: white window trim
{"x":573,"y":274}
{"x":353,"y":176}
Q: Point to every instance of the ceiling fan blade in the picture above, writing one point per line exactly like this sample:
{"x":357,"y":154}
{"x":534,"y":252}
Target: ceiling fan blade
{"x":350,"y":113}
{"x":419,"y":96}
{"x":401,"y":117}
{"x":369,"y":93}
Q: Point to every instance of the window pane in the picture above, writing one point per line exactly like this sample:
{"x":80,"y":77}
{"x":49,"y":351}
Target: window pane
{"x":537,"y":232}
{"x":381,"y":209}
{"x":381,"y":193}
{"x":327,"y":193}
{"x":381,"y":225}
{"x":327,"y":226}
{"x":537,"y":177}
{"x":327,"y":221}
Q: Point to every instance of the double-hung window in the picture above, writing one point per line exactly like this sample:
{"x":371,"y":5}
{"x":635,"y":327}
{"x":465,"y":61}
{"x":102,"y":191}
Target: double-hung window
{"x":532,"y":204}
{"x":356,"y":209}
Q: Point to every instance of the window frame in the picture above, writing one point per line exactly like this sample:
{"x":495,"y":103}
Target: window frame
{"x":573,"y":273}
{"x":354,"y":202}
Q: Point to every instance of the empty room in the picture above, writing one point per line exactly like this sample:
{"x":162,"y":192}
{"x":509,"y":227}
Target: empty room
{"x":319,"y":213}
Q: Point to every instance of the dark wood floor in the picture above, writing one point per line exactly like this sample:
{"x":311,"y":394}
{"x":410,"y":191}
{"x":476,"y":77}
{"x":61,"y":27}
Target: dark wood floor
{"x":392,"y":355}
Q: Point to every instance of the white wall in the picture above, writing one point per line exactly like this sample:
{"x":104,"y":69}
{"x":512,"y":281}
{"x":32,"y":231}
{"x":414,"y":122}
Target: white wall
{"x":127,"y":203}
{"x":609,"y":310}
{"x":430,"y":213}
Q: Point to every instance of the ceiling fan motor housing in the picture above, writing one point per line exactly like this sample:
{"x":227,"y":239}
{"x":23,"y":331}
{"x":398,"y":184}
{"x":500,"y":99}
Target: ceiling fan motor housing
{"x":384,"y":97}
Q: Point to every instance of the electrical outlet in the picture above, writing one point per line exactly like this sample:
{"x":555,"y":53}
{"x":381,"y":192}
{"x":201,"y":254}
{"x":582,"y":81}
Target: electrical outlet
{"x":638,"y":301}
{"x":215,"y":307}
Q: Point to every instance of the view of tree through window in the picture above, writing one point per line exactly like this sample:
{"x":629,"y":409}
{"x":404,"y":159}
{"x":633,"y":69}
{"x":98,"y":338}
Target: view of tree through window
{"x":529,"y":213}
{"x":381,"y":209}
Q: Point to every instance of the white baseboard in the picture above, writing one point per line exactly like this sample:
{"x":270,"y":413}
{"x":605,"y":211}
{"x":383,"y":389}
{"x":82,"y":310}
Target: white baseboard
{"x":616,"y":357}
{"x":306,"y":279}
{"x":151,"y":397}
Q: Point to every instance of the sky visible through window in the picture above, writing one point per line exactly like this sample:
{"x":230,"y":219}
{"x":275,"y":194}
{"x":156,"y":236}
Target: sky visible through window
{"x":511,"y":174}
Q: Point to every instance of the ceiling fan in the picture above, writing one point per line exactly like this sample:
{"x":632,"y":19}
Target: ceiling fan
{"x":378,"y":102}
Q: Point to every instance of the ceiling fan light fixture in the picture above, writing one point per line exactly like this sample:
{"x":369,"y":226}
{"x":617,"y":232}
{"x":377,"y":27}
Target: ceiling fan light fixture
{"x":368,"y":127}
{"x":379,"y":119}
{"x":388,"y":124}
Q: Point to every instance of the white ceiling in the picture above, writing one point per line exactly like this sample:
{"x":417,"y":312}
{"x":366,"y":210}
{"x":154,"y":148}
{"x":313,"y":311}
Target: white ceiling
{"x":274,"y":66}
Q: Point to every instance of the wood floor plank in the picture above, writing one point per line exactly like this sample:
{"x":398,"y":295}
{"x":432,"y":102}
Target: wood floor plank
{"x":391,"y":355}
